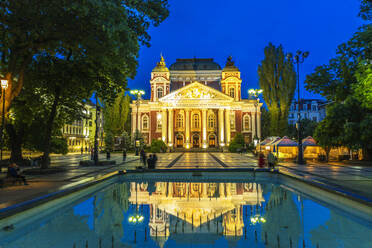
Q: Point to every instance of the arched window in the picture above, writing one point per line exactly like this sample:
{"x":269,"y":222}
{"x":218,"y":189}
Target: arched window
{"x":145,"y":122}
{"x":232,"y":92}
{"x":195,"y":121}
{"x":211,"y":121}
{"x":179,"y":120}
{"x":247,"y":122}
{"x":160,"y":92}
{"x":158,"y":123}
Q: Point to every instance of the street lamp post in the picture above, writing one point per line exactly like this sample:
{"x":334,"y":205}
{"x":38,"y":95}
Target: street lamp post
{"x":138,"y":94}
{"x":95,"y":153}
{"x":298,"y":59}
{"x":255,"y":93}
{"x":4,"y":86}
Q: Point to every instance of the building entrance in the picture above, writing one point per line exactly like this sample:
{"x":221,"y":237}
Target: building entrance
{"x":179,"y":141}
{"x":212,"y":140}
{"x":195,"y":141}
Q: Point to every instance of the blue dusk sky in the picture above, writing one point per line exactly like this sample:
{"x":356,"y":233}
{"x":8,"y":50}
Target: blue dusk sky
{"x":242,"y":28}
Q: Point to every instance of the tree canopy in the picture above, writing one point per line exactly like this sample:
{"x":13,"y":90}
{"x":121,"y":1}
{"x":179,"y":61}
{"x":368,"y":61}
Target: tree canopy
{"x":346,"y":82}
{"x":108,"y":32}
{"x":277,"y":78}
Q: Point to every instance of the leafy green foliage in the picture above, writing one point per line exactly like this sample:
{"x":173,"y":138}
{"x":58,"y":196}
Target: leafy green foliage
{"x":346,"y":82}
{"x":158,"y":146}
{"x":106,"y":32}
{"x":109,"y":142}
{"x":277,"y":78}
{"x":116,"y":114}
{"x":125,"y":141}
{"x":307,"y":129}
{"x":237,"y":143}
{"x":363,"y":89}
{"x":265,"y":123}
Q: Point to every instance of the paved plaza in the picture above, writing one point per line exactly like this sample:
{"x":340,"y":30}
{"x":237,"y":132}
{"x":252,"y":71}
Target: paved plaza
{"x":354,"y":179}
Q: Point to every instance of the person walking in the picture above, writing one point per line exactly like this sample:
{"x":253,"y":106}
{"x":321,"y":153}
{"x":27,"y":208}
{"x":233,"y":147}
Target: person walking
{"x":271,"y":160}
{"x":124,"y":154}
{"x":143,"y":157}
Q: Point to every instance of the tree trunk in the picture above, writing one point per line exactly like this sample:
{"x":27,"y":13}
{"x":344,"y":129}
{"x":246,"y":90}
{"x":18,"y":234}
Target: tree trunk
{"x":16,"y":140}
{"x":327,"y":150}
{"x":46,"y":160}
{"x":367,"y":154}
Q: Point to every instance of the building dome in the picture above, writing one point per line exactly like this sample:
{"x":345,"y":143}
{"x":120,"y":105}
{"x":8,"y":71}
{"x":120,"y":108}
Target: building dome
{"x":160,"y":66}
{"x":194,"y":64}
{"x":230,"y":65}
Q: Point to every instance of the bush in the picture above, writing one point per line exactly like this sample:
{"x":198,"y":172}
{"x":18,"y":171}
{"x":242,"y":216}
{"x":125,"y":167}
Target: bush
{"x":158,"y":146}
{"x":237,"y":144}
{"x":235,"y":147}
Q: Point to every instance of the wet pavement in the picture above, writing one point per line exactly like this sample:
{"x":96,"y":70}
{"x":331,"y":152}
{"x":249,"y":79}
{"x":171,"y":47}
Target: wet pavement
{"x":354,"y":179}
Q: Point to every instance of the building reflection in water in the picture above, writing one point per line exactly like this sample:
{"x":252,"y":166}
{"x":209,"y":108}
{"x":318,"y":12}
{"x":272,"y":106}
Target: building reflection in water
{"x":180,"y":207}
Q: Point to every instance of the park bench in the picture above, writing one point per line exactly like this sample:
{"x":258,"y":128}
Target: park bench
{"x":6,"y":180}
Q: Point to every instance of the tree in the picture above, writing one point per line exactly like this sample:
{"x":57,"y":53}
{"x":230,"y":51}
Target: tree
{"x":265,"y":123}
{"x":277,"y":78}
{"x":307,"y":128}
{"x":363,"y":89}
{"x":158,"y":146}
{"x":346,"y":82}
{"x":109,"y":142}
{"x":64,"y":83}
{"x":116,"y":114}
{"x":125,"y":141}
{"x":237,"y":143}
{"x":106,"y":31}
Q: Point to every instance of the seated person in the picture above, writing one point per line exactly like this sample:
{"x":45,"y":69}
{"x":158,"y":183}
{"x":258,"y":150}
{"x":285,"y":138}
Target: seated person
{"x":13,"y":172}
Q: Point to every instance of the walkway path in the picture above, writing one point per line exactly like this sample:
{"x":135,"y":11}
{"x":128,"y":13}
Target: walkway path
{"x":356,"y":180}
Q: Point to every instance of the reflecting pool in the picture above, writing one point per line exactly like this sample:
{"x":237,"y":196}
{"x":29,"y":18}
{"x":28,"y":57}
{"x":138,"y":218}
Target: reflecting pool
{"x":146,"y":213}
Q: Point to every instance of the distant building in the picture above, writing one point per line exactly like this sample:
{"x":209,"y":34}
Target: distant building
{"x":312,"y":109}
{"x":80,"y":133}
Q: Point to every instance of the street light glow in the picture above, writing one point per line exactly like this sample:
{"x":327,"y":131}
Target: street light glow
{"x":4,"y":84}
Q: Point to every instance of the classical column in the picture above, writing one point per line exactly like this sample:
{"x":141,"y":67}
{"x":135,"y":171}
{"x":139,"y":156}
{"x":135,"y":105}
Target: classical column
{"x":253,"y":125}
{"x":259,"y":125}
{"x":227,"y":126}
{"x":170,"y":127}
{"x":204,"y":119}
{"x":139,"y":122}
{"x":187,"y":128}
{"x":164,"y":125}
{"x":221,"y":131}
{"x":134,"y":121}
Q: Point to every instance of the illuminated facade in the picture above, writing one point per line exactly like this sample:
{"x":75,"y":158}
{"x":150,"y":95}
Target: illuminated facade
{"x":196,"y":205}
{"x":196,"y":104}
{"x":80,"y":133}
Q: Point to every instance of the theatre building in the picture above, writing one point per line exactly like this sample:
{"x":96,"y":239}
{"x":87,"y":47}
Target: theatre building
{"x":196,"y":104}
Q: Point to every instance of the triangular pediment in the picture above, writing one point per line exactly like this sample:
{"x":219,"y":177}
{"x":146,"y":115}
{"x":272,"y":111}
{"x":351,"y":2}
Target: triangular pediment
{"x":196,"y":91}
